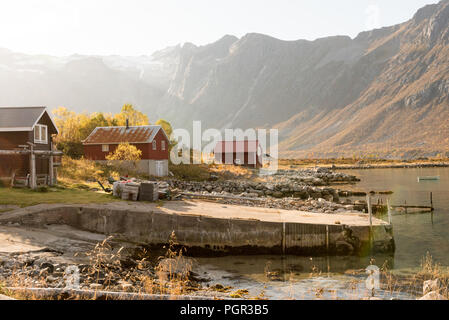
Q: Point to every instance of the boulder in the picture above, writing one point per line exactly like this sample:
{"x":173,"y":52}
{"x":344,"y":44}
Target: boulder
{"x":48,"y":266}
{"x":344,"y":247}
{"x":278,"y":194}
{"x":433,"y":295}
{"x":252,"y":195}
{"x":431,"y":285}
{"x":213,"y":177}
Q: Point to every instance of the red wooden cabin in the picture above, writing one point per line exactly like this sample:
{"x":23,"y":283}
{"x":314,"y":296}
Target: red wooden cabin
{"x":26,"y":145}
{"x":245,"y":153}
{"x":151,"y":140}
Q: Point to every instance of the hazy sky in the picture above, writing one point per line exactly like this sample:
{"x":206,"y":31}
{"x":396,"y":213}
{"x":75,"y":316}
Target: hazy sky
{"x":134,"y":27}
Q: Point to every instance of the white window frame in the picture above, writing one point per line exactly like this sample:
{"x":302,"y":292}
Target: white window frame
{"x":163,"y":145}
{"x":104,"y":148}
{"x":38,"y":138}
{"x":154,"y":145}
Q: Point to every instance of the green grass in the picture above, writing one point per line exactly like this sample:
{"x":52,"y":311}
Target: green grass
{"x":27,"y":197}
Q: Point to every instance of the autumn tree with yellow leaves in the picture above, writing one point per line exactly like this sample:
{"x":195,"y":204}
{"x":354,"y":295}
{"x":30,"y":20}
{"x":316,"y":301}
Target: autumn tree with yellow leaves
{"x":134,"y":117}
{"x":168,"y":130}
{"x":75,"y":127}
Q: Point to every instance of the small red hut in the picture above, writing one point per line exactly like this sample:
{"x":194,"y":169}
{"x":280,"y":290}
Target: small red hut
{"x":245,"y":153}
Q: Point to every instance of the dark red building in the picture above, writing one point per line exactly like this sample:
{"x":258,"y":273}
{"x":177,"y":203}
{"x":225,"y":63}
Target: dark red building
{"x":151,"y":140}
{"x":245,"y":153}
{"x":26,"y":145}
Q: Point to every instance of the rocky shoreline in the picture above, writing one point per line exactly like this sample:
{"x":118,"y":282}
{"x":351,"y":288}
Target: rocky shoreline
{"x":104,"y":271}
{"x":305,"y":190}
{"x":40,"y":275}
{"x":392,"y":166}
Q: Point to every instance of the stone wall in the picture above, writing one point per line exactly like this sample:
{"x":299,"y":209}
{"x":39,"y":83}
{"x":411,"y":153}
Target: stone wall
{"x":220,"y":236}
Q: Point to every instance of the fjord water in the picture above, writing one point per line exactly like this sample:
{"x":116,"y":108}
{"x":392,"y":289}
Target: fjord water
{"x":301,"y":277}
{"x":415,"y":234}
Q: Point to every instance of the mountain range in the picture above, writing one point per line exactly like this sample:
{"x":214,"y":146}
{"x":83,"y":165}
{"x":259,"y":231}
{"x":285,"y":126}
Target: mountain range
{"x":384,"y":92}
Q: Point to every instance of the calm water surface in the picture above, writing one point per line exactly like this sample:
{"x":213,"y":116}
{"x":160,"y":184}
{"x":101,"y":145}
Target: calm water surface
{"x":302,"y":277}
{"x":415,"y":234}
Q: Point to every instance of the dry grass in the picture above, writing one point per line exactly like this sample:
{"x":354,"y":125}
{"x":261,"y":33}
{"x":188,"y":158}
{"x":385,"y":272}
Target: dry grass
{"x":173,"y":270}
{"x":203,"y":172}
{"x":81,"y":169}
{"x":430,"y":270}
{"x":232,"y":172}
{"x":413,"y":284}
{"x":169,"y":275}
{"x":106,"y":268}
{"x":107,"y":271}
{"x":194,"y":172}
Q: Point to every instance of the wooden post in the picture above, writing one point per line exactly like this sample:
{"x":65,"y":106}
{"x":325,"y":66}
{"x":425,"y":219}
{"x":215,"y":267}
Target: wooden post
{"x":51,"y":170}
{"x":13,"y":178}
{"x":284,"y":245}
{"x":389,"y":212}
{"x":431,"y":201}
{"x":33,"y":178}
{"x":32,"y":168}
{"x":370,"y":212}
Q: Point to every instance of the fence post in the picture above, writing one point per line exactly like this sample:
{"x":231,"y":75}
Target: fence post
{"x":33,"y":182}
{"x":389,"y":212}
{"x":370,"y":212}
{"x":284,"y":245}
{"x":431,"y":201}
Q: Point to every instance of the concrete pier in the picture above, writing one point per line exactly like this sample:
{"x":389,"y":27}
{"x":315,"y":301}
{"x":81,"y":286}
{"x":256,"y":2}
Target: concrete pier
{"x":207,"y":227}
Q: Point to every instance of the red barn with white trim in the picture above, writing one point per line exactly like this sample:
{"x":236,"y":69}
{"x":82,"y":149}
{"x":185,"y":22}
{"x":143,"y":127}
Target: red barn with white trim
{"x":151,"y":140}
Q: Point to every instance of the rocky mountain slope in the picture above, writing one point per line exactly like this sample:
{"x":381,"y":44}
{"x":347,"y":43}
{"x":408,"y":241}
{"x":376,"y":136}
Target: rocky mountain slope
{"x":384,"y":92}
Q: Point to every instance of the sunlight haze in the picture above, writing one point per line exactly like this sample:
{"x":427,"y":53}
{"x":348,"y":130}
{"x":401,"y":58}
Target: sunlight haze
{"x":136,"y":27}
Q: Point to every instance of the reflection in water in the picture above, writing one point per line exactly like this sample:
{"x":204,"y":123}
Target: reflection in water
{"x":415,"y":234}
{"x":295,"y":277}
{"x":281,"y":268}
{"x":332,"y":277}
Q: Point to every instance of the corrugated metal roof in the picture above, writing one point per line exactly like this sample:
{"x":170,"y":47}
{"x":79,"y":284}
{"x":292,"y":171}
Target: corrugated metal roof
{"x":19,"y":117}
{"x":236,"y":146}
{"x":116,"y":135}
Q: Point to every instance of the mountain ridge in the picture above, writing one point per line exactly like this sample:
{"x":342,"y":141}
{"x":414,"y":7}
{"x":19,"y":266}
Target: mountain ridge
{"x":384,"y":92}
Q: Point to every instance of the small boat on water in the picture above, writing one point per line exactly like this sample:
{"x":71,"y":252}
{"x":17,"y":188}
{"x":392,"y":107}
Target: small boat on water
{"x":435,"y":178}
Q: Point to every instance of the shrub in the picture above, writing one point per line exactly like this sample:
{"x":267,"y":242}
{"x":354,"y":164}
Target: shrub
{"x":126,"y":156}
{"x":190,"y":171}
{"x":81,"y":170}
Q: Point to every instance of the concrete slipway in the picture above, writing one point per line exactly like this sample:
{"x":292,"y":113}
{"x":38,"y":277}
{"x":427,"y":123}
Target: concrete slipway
{"x":213,"y":228}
